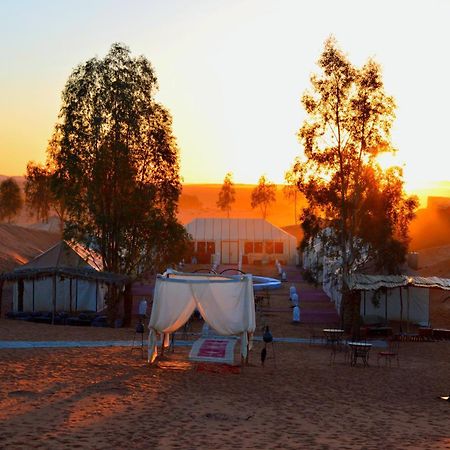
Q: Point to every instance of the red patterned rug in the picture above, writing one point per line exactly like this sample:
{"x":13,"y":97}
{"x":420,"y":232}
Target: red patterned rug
{"x":213,"y":350}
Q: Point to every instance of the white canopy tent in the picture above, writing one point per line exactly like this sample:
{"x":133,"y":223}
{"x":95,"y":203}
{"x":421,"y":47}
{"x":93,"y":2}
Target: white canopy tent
{"x":225,"y":303}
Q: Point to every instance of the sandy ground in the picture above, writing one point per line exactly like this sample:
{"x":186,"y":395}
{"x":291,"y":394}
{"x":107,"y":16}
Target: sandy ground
{"x":102,"y":398}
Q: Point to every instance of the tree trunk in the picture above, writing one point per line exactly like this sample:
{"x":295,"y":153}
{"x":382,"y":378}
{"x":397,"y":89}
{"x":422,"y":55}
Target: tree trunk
{"x":127,"y":305}
{"x":350,"y":312}
{"x":112,"y":304}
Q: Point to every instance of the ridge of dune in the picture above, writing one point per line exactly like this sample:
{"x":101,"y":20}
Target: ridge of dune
{"x":18,"y":245}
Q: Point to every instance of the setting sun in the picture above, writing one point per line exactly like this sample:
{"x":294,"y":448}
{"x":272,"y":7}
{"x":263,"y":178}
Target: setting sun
{"x":232,"y":75}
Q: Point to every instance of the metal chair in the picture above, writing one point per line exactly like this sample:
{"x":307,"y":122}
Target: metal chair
{"x":391,"y":353}
{"x":315,"y":336}
{"x":139,"y":330}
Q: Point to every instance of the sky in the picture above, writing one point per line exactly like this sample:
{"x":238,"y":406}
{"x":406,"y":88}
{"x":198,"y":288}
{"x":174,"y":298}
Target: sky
{"x":232,"y":74}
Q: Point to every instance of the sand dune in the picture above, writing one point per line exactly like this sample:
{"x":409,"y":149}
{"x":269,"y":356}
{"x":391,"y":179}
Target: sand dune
{"x":200,"y":201}
{"x":103,"y":398}
{"x":18,"y":245}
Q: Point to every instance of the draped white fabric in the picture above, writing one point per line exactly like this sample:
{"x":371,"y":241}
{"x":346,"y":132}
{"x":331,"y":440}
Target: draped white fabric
{"x":225,"y":303}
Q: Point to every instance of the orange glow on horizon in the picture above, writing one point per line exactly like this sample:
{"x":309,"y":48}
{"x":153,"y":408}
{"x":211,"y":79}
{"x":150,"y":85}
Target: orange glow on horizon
{"x":233,"y":82}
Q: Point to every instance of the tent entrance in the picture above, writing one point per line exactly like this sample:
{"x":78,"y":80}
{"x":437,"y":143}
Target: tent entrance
{"x":230,"y":254}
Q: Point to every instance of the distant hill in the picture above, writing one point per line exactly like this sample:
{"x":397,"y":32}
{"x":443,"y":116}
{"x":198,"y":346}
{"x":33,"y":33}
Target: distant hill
{"x":431,"y":227}
{"x":20,"y":180}
{"x":435,"y":261}
{"x":199,"y":200}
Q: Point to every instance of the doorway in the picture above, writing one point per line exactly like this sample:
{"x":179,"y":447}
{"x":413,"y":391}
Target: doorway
{"x":230,"y":252}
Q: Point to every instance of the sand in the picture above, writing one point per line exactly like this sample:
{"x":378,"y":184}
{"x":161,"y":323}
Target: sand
{"x":110,"y":398}
{"x":102,"y":398}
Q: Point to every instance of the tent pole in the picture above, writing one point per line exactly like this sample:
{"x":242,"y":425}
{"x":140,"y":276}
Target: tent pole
{"x":385,"y":305}
{"x":76,"y":294}
{"x":162,"y":344}
{"x":54,"y":297}
{"x":364,"y":292}
{"x":70,"y":295}
{"x":20,"y":289}
{"x":401,"y":310}
{"x":407,"y":310}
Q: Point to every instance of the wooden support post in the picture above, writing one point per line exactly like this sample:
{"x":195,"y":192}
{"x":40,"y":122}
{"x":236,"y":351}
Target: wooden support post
{"x":385,"y":305}
{"x":407,"y":310}
{"x":70,"y":295}
{"x":54,"y":298}
{"x":401,"y":309}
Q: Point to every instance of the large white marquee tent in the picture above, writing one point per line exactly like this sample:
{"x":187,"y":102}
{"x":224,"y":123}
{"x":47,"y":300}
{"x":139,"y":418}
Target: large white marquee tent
{"x":234,"y":241}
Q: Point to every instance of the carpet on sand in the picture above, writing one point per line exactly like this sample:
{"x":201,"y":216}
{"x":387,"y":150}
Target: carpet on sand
{"x":213,"y":350}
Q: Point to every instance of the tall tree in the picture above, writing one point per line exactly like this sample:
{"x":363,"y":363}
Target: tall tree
{"x":116,"y":160}
{"x":38,"y":193}
{"x":348,"y":124}
{"x":11,"y":201}
{"x":227,"y":194}
{"x":43,"y":194}
{"x":290,"y":191}
{"x":263,"y":195}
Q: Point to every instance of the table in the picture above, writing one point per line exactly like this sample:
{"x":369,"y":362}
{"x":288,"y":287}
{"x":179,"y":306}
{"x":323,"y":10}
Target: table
{"x":333,"y":335}
{"x":359,"y":350}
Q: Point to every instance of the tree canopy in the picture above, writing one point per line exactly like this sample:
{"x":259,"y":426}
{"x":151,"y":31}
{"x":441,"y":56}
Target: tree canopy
{"x":263,"y":195}
{"x":115,"y":162}
{"x":11,"y":201}
{"x":227,"y":194}
{"x":348,"y":124}
{"x":43,"y":193}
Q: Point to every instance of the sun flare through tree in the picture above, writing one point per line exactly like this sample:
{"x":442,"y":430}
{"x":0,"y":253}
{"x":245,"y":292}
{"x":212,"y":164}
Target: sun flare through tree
{"x":348,"y":124}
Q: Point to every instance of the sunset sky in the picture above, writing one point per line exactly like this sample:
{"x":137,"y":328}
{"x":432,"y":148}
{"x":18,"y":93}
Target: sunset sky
{"x":232,"y":74}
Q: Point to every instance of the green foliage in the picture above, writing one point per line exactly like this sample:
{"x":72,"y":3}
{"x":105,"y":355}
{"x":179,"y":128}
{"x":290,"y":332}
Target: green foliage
{"x":10,"y":199}
{"x":263,"y":195}
{"x":349,"y":122}
{"x":116,"y":163}
{"x":227,"y":194}
{"x":38,"y":193}
{"x":43,"y":193}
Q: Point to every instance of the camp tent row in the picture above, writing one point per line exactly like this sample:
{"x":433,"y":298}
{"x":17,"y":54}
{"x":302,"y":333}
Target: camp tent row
{"x":240,"y":241}
{"x":226,"y":303}
{"x":405,"y":297}
{"x":64,"y":278}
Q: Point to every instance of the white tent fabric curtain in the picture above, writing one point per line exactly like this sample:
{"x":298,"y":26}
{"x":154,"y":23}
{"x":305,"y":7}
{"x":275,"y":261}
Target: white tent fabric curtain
{"x":37,"y":296}
{"x":225,"y":303}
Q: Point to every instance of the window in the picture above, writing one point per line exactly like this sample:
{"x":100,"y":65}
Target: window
{"x":269,"y":247}
{"x":257,"y":247}
{"x":248,"y":247}
{"x":279,"y":248}
{"x":210,"y":247}
{"x":201,"y":247}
